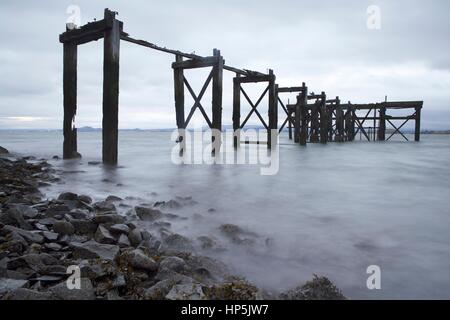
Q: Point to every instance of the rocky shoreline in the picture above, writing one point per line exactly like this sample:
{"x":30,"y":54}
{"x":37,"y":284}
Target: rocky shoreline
{"x":42,"y":242}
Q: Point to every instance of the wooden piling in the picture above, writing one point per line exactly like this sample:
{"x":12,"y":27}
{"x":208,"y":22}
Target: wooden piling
{"x":303,"y":113}
{"x":323,"y":119}
{"x":339,"y":137}
{"x":178,"y":77}
{"x":382,"y":124}
{"x":217,"y":101}
{"x":236,"y":111}
{"x":417,"y":126}
{"x":111,"y":89}
{"x":70,"y":100}
{"x":273,"y":111}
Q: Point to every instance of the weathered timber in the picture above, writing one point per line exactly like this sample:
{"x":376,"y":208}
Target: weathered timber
{"x":70,"y":100}
{"x":217,"y":102}
{"x":178,"y":77}
{"x":417,"y":124}
{"x":323,"y":118}
{"x":236,"y":111}
{"x":111,"y":90}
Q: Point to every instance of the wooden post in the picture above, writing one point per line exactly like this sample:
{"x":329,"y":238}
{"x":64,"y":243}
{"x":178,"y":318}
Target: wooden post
{"x":217,"y":100}
{"x":236,"y":111}
{"x":314,"y":136}
{"x":290,"y":124}
{"x":382,"y":124}
{"x":303,"y":111}
{"x":339,"y":137}
{"x":178,"y":77}
{"x":273,"y":110}
{"x":417,"y":127}
{"x":111,"y":90}
{"x":323,"y":119}
{"x":70,"y":100}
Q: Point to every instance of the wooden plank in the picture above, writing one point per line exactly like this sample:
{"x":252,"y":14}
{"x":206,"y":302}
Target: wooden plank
{"x":290,"y":89}
{"x":256,"y":78}
{"x":196,"y":63}
{"x":89,"y":32}
{"x":70,"y":100}
{"x":111,"y":93}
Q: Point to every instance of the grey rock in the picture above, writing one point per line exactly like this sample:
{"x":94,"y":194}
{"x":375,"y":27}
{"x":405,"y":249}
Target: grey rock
{"x":34,"y":261}
{"x":119,"y":228}
{"x":3,"y":150}
{"x":30,"y":236}
{"x":139,"y":260}
{"x":123,"y":241}
{"x":57,"y":210}
{"x":63,"y":228}
{"x":8,"y":285}
{"x":47,"y":221}
{"x":28,"y":294}
{"x":15,"y":218}
{"x":26,"y":211}
{"x":159,"y":290}
{"x":50,"y":236}
{"x":178,"y":242}
{"x":79,"y":214}
{"x":147,"y":214}
{"x":119,"y":282}
{"x":173,"y":263}
{"x":39,"y":226}
{"x":112,"y":198}
{"x":109,"y":218}
{"x":85,"y":199}
{"x":186,"y":292}
{"x":53,"y":246}
{"x":86,"y":291}
{"x":104,"y":206}
{"x":68,"y":196}
{"x":93,"y":250}
{"x":135,"y":237}
{"x":83,"y":227}
{"x":102,"y":235}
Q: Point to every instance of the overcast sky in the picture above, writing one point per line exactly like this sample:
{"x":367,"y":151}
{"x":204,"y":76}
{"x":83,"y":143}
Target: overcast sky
{"x":326,"y":44}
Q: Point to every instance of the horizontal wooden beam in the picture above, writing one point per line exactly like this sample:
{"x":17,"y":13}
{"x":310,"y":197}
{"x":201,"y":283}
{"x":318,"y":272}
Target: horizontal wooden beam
{"x":196,"y":63}
{"x":291,"y":89}
{"x":255,"y":78}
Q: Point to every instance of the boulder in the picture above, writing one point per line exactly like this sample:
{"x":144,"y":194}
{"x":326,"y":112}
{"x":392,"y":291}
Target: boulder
{"x":84,"y":227}
{"x":14,"y":217}
{"x":30,"y":236}
{"x":50,"y":236}
{"x":147,"y":214}
{"x":34,"y":261}
{"x":3,"y":151}
{"x":104,"y":206}
{"x":26,"y":211}
{"x":8,"y":285}
{"x":319,"y":288}
{"x":135,"y":237}
{"x":123,"y":241}
{"x":173,"y":263}
{"x":186,"y":292}
{"x":85,"y":199}
{"x":119,"y":228}
{"x":79,"y":214}
{"x":139,"y":260}
{"x":68,"y":196}
{"x":93,"y":250}
{"x":112,"y":198}
{"x":63,"y":228}
{"x":109,"y":218}
{"x":56,"y":210}
{"x":102,"y":235}
{"x":28,"y":294}
{"x":62,"y":292}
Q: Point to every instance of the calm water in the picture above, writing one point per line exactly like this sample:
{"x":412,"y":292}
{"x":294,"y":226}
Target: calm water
{"x":330,"y":210}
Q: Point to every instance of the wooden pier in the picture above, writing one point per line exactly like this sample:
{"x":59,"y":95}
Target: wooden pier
{"x":313,"y":118}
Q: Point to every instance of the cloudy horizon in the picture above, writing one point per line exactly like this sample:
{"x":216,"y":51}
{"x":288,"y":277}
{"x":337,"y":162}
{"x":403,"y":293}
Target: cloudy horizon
{"x":327,"y":45}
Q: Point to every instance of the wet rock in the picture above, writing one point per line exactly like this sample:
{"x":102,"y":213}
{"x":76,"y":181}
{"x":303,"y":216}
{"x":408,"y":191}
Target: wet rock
{"x":135,"y":237}
{"x":119,"y":228}
{"x":30,"y":236}
{"x":28,"y":294}
{"x":85,"y":199}
{"x":237,"y":235}
{"x":8,"y":285}
{"x":86,"y":291}
{"x":57,"y":210}
{"x":178,"y":242}
{"x":40,"y":227}
{"x":63,"y":228}
{"x":79,"y":214}
{"x":139,"y":260}
{"x":319,"y":288}
{"x":33,"y":261}
{"x":109,"y":218}
{"x":147,"y":214}
{"x":173,"y":263}
{"x":26,"y":211}
{"x":14,"y":217}
{"x":159,"y":290}
{"x":3,"y":151}
{"x":233,"y":290}
{"x":112,"y":198}
{"x":47,"y":221}
{"x":102,"y":235}
{"x":186,"y":292}
{"x":68,"y":196}
{"x":93,"y":250}
{"x":123,"y":241}
{"x":104,"y":206}
{"x":171,"y":204}
{"x":84,"y":227}
{"x":50,"y":236}
{"x":207,"y":242}
{"x":14,"y":246}
{"x":53,"y":246}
